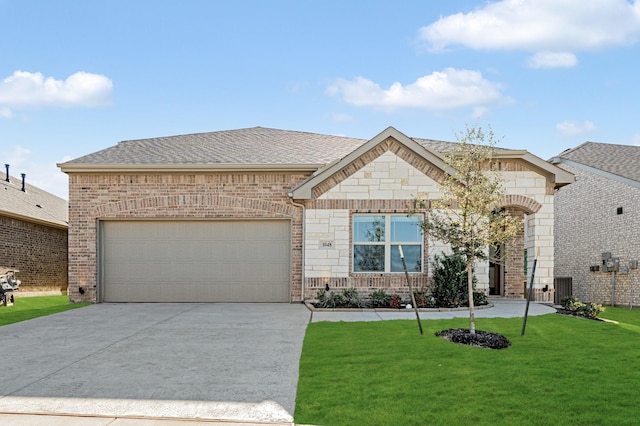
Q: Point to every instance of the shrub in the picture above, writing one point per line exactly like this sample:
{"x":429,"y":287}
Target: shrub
{"x":590,"y":310}
{"x":570,"y":303}
{"x":423,"y":299}
{"x":330,"y":299}
{"x":379,"y":299}
{"x":480,"y":298}
{"x":450,"y":280}
{"x":352,"y":299}
{"x":587,"y":310}
{"x":395,"y":301}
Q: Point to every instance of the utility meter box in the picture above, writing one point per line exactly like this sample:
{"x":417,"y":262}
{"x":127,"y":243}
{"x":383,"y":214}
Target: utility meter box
{"x":611,"y":264}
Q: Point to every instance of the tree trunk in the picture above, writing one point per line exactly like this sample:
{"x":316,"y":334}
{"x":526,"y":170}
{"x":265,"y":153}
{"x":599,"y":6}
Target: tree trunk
{"x":472,"y":315}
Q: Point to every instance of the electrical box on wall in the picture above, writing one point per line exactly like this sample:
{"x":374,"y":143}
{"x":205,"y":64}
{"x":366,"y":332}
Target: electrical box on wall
{"x":594,"y":268}
{"x":624,"y":270}
{"x":633,"y":264}
{"x":610,"y":264}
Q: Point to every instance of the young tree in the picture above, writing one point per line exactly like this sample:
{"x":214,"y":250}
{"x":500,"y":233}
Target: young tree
{"x":468,"y":215}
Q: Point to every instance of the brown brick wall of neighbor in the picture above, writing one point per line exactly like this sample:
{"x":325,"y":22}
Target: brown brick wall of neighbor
{"x":587,"y":224}
{"x":166,"y":196}
{"x":39,"y":252}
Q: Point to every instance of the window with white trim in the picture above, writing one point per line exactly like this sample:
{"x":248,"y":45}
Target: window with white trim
{"x":376,"y":238}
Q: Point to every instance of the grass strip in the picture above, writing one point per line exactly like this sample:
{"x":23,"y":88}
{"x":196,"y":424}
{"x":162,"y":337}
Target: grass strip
{"x":25,"y":308}
{"x":565,"y":370}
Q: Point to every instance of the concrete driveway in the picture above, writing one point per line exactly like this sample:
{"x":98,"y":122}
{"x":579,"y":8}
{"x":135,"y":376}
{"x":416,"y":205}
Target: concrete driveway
{"x":237,"y":362}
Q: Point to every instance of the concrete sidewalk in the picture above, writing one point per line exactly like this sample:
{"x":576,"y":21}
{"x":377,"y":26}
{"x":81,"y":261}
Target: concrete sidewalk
{"x":499,"y":308}
{"x":59,"y":420}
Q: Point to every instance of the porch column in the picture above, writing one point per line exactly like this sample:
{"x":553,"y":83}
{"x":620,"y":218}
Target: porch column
{"x":514,"y":279}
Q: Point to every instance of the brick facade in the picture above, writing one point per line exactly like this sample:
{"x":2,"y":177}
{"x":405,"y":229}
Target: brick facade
{"x":514,"y":278}
{"x":171,"y":195}
{"x":383,"y":179}
{"x":588,"y":224}
{"x":39,"y":252}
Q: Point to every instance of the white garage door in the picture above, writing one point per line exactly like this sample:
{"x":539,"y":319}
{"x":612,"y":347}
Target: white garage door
{"x":195,"y":261}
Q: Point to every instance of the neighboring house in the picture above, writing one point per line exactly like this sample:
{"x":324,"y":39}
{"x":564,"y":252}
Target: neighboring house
{"x":270,"y":215}
{"x":599,"y":213}
{"x":33,"y":230}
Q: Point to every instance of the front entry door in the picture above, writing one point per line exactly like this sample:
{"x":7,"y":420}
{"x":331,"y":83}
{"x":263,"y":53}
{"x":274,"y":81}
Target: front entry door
{"x":496,"y":273}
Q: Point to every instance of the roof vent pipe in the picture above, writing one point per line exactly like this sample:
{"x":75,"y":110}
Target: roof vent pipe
{"x":7,"y":167}
{"x":23,"y":176}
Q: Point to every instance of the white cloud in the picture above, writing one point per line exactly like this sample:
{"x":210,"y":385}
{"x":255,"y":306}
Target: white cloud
{"x":573,"y":129}
{"x":46,"y":176}
{"x":341,"y":118}
{"x":5,"y":112}
{"x":538,"y":26}
{"x":24,"y":89}
{"x":440,"y":90}
{"x":18,"y":156}
{"x":50,"y":178}
{"x":552,"y":60}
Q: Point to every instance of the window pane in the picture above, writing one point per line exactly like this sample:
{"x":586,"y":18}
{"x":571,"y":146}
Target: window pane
{"x":368,"y":258}
{"x":412,"y":256}
{"x":368,"y":229}
{"x":405,"y":229}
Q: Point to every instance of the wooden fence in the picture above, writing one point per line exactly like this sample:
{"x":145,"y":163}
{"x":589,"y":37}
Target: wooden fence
{"x":563,"y":287}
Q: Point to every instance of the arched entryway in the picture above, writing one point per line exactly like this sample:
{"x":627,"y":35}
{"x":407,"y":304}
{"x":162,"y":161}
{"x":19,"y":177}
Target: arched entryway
{"x":507,"y":265}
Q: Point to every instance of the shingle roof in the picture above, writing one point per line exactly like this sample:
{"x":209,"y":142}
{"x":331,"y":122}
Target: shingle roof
{"x":34,"y":204}
{"x":256,"y":145}
{"x":621,"y":160}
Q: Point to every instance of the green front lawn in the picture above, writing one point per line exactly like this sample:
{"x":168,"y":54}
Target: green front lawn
{"x":565,"y":370}
{"x":26,"y":308}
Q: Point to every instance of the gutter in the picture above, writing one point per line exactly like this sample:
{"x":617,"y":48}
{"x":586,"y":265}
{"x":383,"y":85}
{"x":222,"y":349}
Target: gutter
{"x":218,"y":167}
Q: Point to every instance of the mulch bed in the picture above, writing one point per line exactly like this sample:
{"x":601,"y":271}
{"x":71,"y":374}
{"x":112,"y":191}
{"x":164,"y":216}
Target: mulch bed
{"x":482,"y":339}
{"x":563,"y":311}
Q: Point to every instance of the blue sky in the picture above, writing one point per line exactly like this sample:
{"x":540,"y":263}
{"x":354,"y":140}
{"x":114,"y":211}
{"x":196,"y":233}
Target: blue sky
{"x":80,"y":76}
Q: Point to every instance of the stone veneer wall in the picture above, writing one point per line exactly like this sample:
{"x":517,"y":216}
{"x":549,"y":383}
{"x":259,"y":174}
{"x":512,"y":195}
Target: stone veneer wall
{"x":388,"y":183}
{"x":172,"y":195}
{"x":587,"y":224}
{"x":532,"y":194}
{"x":39,"y":252}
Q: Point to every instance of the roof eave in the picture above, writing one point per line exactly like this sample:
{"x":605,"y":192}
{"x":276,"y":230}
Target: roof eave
{"x":304,"y":191}
{"x":194,"y":168}
{"x":59,"y":225}
{"x":558,"y":176}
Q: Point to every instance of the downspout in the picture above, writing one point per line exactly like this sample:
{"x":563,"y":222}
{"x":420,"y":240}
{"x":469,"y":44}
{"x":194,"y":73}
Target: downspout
{"x":304,"y":229}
